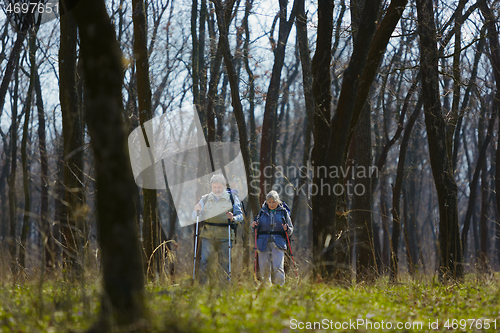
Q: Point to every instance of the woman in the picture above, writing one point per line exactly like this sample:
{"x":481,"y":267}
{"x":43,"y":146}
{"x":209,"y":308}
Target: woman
{"x":272,"y":223}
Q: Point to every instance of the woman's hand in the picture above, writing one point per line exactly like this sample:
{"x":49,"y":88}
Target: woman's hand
{"x":255,"y":224}
{"x":285,"y":227}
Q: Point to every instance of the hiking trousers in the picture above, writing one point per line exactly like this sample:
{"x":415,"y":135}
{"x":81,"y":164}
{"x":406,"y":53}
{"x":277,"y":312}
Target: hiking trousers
{"x":275,"y":256}
{"x":214,"y":263}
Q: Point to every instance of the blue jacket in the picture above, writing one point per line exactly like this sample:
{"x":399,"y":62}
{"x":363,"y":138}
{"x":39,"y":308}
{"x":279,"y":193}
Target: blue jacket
{"x":270,"y":227}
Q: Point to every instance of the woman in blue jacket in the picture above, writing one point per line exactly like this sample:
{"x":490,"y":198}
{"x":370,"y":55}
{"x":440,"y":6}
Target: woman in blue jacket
{"x":272,"y":223}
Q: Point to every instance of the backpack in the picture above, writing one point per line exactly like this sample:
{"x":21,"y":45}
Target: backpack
{"x":231,"y":192}
{"x":283,"y":204}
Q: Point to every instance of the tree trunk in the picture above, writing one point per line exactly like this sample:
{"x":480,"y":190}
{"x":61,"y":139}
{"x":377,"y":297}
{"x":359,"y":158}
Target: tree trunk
{"x":481,"y":160}
{"x":322,"y":222}
{"x":307,"y":79}
{"x":4,"y":178}
{"x":384,"y":211}
{"x":396,"y":192}
{"x":12,"y":178}
{"x":357,"y":81}
{"x":222,"y":18}
{"x":411,"y":207}
{"x":449,"y":236}
{"x":483,"y":253}
{"x":11,"y":66}
{"x":251,"y":83}
{"x":24,"y":155}
{"x":362,"y":206}
{"x":490,"y":21}
{"x":251,"y":117}
{"x":123,"y":280}
{"x":72,"y":227}
{"x":268,"y":144}
{"x":473,"y":76}
{"x":453,"y":115}
{"x":60,"y":207}
{"x":44,"y":192}
{"x":150,"y":225}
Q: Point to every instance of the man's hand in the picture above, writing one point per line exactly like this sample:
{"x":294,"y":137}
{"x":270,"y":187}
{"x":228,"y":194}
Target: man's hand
{"x":229,"y":216}
{"x":285,"y":227}
{"x":255,"y":224}
{"x":197,"y":208}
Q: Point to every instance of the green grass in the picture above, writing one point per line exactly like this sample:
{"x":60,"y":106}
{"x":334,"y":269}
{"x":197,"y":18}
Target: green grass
{"x":63,"y":307}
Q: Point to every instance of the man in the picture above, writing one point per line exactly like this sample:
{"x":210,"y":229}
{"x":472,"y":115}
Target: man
{"x":216,"y":209}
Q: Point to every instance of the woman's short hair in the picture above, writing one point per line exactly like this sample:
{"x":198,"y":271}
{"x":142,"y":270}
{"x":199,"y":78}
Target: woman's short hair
{"x":218,"y":178}
{"x":273,"y":195}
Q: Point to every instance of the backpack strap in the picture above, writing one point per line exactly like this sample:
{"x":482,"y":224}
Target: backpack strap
{"x":228,"y":189}
{"x":233,"y":226}
{"x":205,"y":198}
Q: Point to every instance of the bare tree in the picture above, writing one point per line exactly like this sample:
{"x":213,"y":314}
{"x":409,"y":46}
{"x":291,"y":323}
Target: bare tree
{"x":123,"y":280}
{"x":73,"y":228}
{"x":151,"y":227}
{"x":268,"y":142}
{"x":12,"y":178}
{"x":449,"y":235}
{"x":24,"y":154}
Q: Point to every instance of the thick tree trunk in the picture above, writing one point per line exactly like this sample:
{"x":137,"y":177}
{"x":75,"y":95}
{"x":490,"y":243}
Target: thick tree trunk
{"x":449,"y":236}
{"x":150,"y":225}
{"x":323,"y":213}
{"x":490,"y":21}
{"x":123,"y":280}
{"x":362,"y":206}
{"x":72,"y":227}
{"x":369,"y":63}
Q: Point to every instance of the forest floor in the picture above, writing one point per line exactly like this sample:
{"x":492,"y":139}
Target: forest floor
{"x":245,"y":307}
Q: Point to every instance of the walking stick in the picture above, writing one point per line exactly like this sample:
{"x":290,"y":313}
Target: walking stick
{"x":291,"y":253}
{"x":229,"y":235}
{"x":255,"y":249}
{"x":195,"y":244}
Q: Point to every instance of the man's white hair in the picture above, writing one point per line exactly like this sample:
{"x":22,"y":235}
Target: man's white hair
{"x":218,"y":178}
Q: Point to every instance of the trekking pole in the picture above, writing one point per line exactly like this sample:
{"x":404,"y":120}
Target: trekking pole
{"x":291,"y":253}
{"x":195,"y":243}
{"x":229,"y":235}
{"x":255,"y":249}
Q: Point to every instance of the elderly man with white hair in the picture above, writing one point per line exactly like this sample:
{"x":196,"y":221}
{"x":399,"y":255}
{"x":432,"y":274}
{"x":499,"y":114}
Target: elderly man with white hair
{"x":215,"y":209}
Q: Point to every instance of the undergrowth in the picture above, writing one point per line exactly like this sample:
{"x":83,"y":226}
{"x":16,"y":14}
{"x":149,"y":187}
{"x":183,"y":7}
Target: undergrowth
{"x":59,"y":306}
